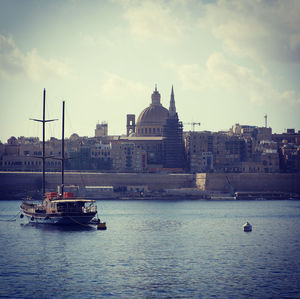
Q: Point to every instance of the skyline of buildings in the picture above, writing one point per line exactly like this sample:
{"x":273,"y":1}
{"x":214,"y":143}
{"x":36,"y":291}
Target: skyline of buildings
{"x":157,"y":142}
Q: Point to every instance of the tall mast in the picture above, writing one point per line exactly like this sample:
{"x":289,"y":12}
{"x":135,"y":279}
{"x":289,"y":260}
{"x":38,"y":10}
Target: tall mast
{"x":63,"y":150}
{"x":44,"y":151}
{"x":44,"y":154}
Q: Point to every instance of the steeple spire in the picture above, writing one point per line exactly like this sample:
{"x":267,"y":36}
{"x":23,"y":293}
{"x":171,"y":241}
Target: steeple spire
{"x":173,"y":145}
{"x":172,"y":108}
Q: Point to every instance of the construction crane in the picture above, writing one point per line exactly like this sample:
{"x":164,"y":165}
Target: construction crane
{"x":193,"y":124}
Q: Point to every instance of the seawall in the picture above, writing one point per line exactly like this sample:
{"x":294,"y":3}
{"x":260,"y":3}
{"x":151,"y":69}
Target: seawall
{"x":223,"y":182}
{"x":260,"y":182}
{"x":155,"y":182}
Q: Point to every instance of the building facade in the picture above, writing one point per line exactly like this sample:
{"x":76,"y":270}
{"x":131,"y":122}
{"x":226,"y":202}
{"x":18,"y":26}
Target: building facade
{"x":156,"y":142}
{"x":128,"y":157}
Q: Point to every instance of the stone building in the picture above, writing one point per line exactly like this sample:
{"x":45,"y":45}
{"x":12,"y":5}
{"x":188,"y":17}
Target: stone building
{"x":101,"y":130}
{"x":151,"y":145}
{"x":290,"y":158}
{"x":128,"y":157}
{"x":290,"y":136}
{"x":199,"y":151}
{"x":101,"y":156}
{"x":257,"y":133}
{"x":227,"y":152}
{"x":211,"y":151}
{"x":24,"y":154}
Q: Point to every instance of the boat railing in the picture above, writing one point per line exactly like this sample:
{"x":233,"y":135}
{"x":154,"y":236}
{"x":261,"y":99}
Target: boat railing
{"x":77,"y":209}
{"x":89,"y":209}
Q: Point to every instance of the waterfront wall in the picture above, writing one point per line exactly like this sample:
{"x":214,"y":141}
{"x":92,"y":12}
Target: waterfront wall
{"x":155,"y":182}
{"x":280,"y":182}
{"x":223,"y":182}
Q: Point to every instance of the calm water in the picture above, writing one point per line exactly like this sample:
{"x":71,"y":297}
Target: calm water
{"x":157,"y":249}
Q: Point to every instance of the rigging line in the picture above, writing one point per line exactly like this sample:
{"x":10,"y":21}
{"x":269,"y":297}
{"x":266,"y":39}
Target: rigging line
{"x":12,"y":219}
{"x":68,"y":121}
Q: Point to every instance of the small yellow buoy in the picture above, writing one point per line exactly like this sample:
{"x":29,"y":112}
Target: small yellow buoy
{"x":101,"y":226}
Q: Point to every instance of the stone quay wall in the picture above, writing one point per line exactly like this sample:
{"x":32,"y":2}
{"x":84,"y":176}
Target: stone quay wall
{"x":260,"y":182}
{"x":155,"y":182}
{"x":223,"y":182}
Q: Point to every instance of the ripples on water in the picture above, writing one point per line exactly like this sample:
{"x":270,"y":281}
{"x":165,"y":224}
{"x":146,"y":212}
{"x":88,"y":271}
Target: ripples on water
{"x":156,"y":249}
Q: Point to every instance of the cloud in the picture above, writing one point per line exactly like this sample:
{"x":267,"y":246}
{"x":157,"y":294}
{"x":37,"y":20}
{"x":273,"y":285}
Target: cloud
{"x":14,"y":63}
{"x":262,"y":30}
{"x":235,"y":77}
{"x":221,"y":73}
{"x":191,"y":76}
{"x":227,"y":74}
{"x":115,"y":89}
{"x":152,"y":19}
{"x":11,"y":59}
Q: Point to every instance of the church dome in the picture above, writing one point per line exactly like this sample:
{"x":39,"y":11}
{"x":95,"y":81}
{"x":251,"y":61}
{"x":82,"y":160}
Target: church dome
{"x":152,"y":119}
{"x":154,"y":114}
{"x":74,"y":137}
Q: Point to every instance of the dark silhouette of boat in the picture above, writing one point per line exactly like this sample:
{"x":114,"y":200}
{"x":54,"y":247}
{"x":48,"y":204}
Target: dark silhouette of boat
{"x":60,"y":207}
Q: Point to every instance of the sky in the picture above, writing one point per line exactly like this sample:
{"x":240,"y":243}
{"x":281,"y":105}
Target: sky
{"x":229,"y":62}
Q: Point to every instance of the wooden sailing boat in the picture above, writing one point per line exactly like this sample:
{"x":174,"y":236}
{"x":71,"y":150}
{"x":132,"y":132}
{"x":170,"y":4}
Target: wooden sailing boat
{"x":60,"y":208}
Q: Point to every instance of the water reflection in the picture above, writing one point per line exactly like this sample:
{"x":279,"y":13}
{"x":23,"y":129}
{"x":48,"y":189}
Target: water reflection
{"x":54,"y":227}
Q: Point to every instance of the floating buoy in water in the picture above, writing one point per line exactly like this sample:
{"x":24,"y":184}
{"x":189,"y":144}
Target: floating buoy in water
{"x":32,"y":218}
{"x":21,"y":216}
{"x":247,"y":227}
{"x":101,"y":226}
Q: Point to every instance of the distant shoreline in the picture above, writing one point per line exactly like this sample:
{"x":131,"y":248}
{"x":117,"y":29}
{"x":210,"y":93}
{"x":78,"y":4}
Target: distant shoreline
{"x":153,"y":185}
{"x":207,"y":196}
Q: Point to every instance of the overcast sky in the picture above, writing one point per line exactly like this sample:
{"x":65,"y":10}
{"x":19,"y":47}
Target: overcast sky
{"x":229,"y":62}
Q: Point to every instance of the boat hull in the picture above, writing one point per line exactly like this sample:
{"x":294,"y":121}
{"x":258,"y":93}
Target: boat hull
{"x":73,"y":220}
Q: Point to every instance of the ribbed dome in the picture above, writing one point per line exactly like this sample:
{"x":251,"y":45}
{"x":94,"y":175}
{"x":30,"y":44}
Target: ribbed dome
{"x":152,"y":119}
{"x":154,"y":114}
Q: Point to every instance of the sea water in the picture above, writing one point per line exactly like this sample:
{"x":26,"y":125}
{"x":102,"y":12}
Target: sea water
{"x":156,"y":249}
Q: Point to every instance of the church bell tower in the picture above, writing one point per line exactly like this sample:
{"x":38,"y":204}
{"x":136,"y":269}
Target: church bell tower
{"x":130,"y":124}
